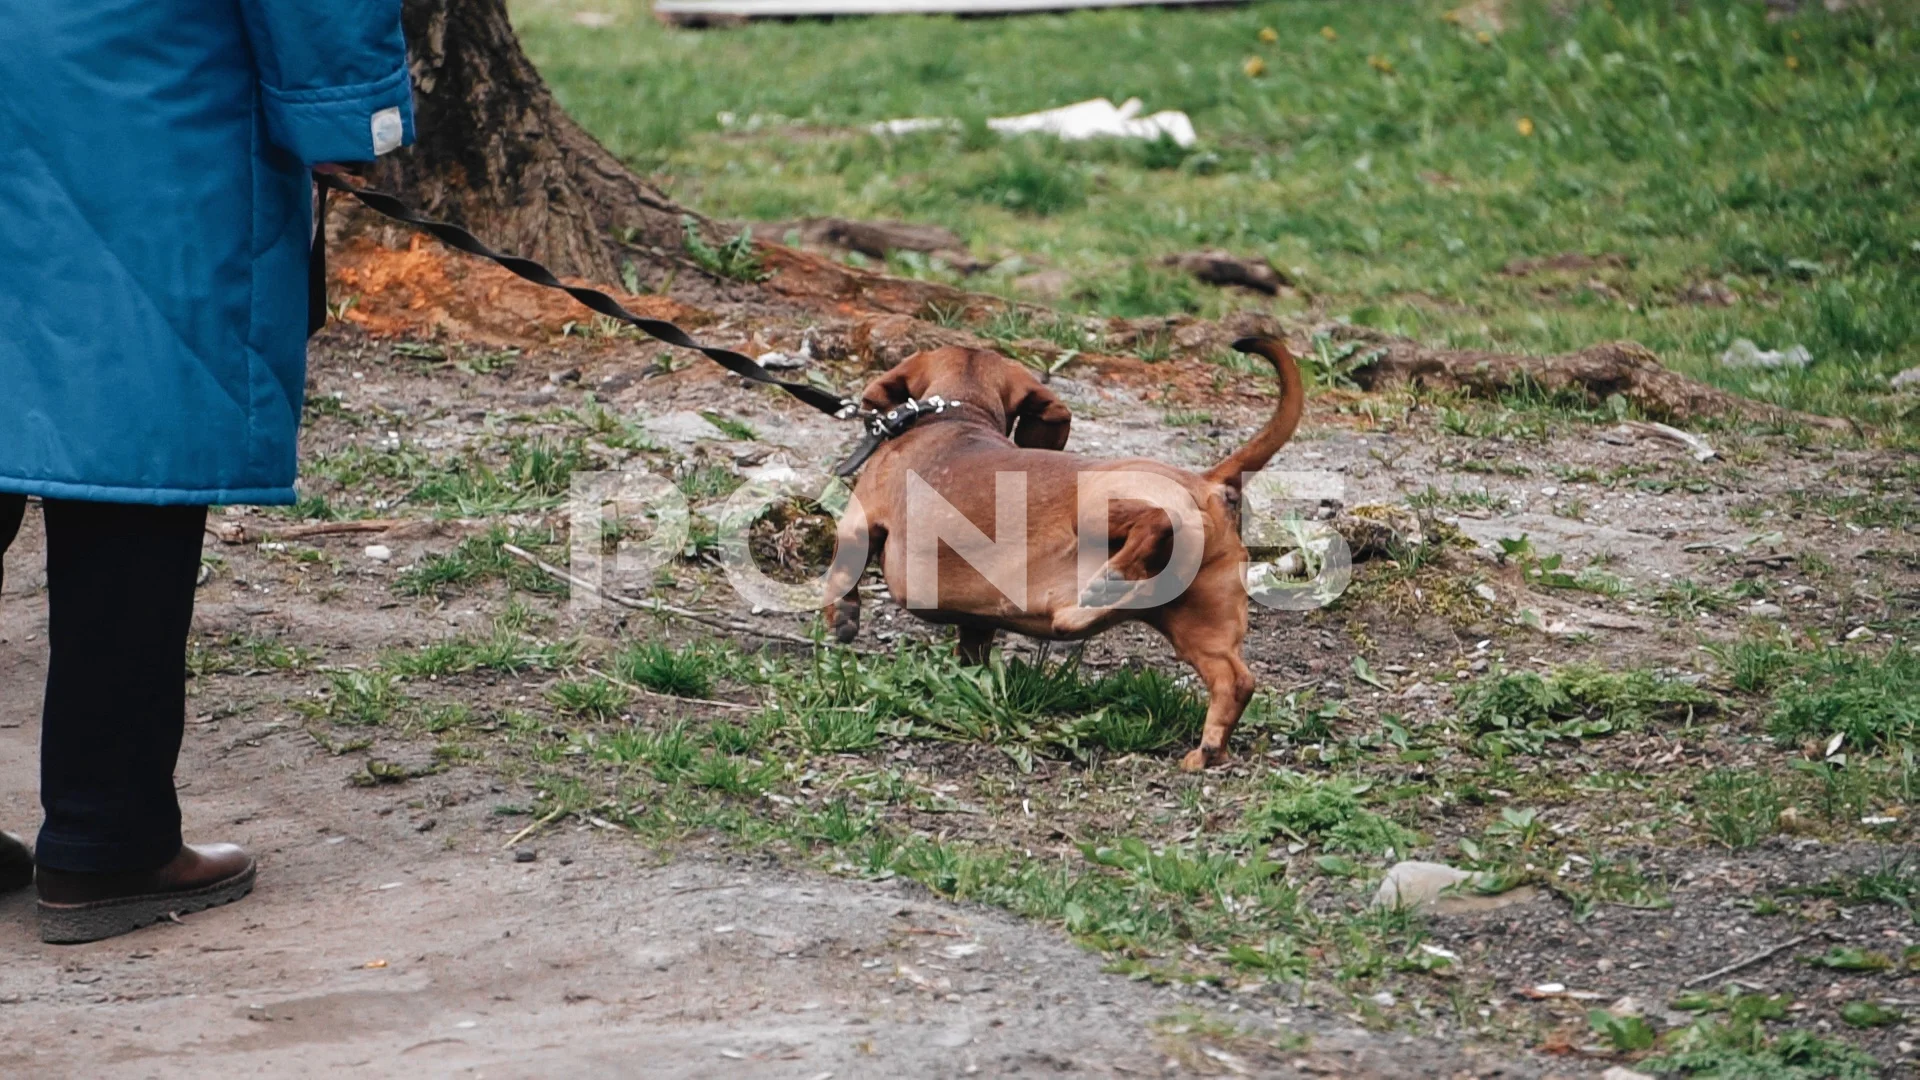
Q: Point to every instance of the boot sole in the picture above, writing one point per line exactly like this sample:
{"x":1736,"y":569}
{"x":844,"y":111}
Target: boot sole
{"x":71,"y":924}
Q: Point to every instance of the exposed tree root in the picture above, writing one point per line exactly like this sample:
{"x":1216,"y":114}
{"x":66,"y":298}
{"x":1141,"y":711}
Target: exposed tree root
{"x":1595,"y":373}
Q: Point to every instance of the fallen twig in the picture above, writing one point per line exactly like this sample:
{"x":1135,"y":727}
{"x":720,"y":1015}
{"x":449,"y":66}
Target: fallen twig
{"x":655,"y":606}
{"x":233,"y":532}
{"x":1764,"y":954}
{"x":1699,"y":447}
{"x":625,"y":685}
{"x":533,"y":828}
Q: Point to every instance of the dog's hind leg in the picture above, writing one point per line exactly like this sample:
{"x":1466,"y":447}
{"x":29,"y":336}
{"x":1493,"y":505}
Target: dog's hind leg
{"x":975,"y":643}
{"x":1140,"y":535}
{"x":1207,"y":631}
{"x":843,"y":580}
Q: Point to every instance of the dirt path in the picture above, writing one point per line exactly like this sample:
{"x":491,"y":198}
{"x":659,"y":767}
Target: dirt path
{"x":391,"y":941}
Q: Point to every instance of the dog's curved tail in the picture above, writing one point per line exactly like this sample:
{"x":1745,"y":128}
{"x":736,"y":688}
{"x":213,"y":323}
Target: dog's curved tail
{"x":1280,"y":427}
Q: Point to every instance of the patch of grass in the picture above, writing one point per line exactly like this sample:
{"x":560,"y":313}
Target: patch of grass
{"x":731,"y":775}
{"x":735,"y":260}
{"x":243,"y":652}
{"x":1744,"y":1048}
{"x":731,"y":428}
{"x":841,"y":700}
{"x":1432,"y":498}
{"x":478,"y":559}
{"x":1874,"y":700}
{"x":588,"y":699}
{"x":503,"y":651}
{"x":366,"y":698}
{"x":1521,"y":711}
{"x":535,"y":475}
{"x":1327,"y":812}
{"x":709,"y":481}
{"x":1545,"y":571}
{"x":1738,"y":807}
{"x":1895,"y":883}
{"x":1025,"y":180}
{"x":687,"y":671}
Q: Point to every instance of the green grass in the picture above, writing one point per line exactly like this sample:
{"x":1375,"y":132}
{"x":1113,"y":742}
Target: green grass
{"x":479,"y":559}
{"x":502,"y":651}
{"x":1743,"y":1049}
{"x":1522,"y":711}
{"x":1328,"y":813}
{"x":1739,"y":808}
{"x":842,"y":701}
{"x":688,"y":671}
{"x":535,"y":475}
{"x":1868,"y":697}
{"x":1692,"y":144}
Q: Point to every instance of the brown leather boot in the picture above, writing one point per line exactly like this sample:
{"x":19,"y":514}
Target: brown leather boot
{"x":16,"y":863}
{"x":76,"y":907}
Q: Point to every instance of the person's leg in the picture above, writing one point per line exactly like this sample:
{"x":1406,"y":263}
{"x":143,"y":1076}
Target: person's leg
{"x":16,"y":858}
{"x":12,"y":509}
{"x":120,"y":581}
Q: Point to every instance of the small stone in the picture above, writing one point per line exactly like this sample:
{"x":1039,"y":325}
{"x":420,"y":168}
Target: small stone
{"x":616,"y":382}
{"x":1763,"y":609}
{"x":426,"y":826}
{"x":1627,"y":1006}
{"x":1485,"y":592}
{"x":1621,"y":1072}
{"x":1603,"y":966}
{"x":1859,"y":633}
{"x":1383,"y":999}
{"x":525,"y":854}
{"x":779,"y":361}
{"x":379,"y":552}
{"x":1907,"y":380}
{"x":1414,"y":884}
{"x":1044,"y":284}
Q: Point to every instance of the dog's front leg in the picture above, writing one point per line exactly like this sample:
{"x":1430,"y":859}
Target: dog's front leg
{"x":843,"y":580}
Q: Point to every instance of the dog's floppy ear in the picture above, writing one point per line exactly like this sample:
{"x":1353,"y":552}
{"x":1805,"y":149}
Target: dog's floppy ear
{"x":891,"y":389}
{"x":1039,"y":421}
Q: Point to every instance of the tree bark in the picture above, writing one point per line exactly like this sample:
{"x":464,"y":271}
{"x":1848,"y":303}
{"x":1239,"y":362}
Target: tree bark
{"x":497,"y":154}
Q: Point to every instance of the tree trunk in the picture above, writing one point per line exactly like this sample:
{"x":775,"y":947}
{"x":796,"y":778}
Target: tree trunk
{"x":497,"y":154}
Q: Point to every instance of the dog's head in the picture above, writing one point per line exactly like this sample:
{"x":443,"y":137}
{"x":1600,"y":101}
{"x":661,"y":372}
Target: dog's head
{"x":1024,"y":410}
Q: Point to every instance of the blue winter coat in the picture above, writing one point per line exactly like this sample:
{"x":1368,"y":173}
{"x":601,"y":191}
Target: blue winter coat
{"x":155,"y":217}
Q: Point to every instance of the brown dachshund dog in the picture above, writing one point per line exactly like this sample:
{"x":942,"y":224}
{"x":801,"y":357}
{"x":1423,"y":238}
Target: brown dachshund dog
{"x":1105,"y":540}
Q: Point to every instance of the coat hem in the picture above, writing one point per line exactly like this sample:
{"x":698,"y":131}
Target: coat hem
{"x":148,"y":496}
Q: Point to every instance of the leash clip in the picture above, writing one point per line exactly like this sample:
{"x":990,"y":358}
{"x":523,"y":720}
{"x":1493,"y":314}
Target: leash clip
{"x":897,"y":420}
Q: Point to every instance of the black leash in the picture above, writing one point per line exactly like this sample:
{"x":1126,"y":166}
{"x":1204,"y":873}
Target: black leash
{"x":879,"y":426}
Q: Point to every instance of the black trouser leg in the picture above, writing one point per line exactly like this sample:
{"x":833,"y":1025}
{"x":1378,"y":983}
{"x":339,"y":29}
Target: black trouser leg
{"x":12,"y":509}
{"x":120,"y":582}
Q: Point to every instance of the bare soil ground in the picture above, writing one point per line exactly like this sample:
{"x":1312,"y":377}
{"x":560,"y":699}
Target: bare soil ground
{"x":395,"y":932}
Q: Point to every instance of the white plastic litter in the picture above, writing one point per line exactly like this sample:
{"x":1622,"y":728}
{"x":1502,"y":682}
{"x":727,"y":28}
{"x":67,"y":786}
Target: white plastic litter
{"x":1095,"y":119}
{"x":1745,"y":354}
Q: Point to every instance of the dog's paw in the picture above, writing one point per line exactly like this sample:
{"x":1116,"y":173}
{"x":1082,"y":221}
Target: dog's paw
{"x":1202,"y":758}
{"x":845,"y":623}
{"x":1105,"y":590}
